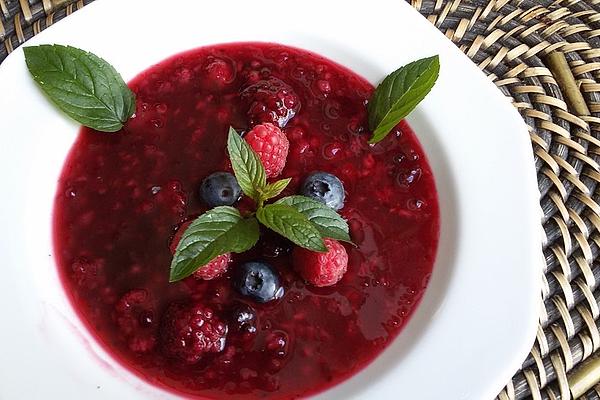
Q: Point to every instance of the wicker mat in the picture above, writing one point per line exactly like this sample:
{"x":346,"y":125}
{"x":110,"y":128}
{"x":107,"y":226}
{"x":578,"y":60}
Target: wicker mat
{"x":545,"y":56}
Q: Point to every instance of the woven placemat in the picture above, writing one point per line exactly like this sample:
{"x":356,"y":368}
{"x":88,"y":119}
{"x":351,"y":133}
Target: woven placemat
{"x":545,"y":56}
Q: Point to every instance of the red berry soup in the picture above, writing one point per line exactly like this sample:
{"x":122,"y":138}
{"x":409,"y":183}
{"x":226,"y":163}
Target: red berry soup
{"x":123,"y":198}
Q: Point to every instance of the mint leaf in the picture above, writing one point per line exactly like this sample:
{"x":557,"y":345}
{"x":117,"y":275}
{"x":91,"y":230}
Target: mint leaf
{"x":218,"y":231}
{"x":82,"y":85}
{"x":290,"y":223}
{"x":247,"y":167}
{"x":274,"y":189}
{"x":329,"y":223}
{"x":399,"y":94}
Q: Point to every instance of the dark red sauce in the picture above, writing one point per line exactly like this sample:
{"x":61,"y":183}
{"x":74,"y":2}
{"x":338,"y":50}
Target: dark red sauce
{"x":121,"y":197}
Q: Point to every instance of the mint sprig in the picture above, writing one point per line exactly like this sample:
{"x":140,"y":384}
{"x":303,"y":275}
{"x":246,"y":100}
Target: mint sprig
{"x":302,"y":220}
{"x":273,"y":189}
{"x":82,"y":85}
{"x":329,"y":223}
{"x":284,"y":219}
{"x":216,"y":232}
{"x":247,"y":167}
{"x":399,"y":93}
{"x":290,"y":223}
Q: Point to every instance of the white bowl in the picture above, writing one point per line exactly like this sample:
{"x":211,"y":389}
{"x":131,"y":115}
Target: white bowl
{"x":478,"y":318}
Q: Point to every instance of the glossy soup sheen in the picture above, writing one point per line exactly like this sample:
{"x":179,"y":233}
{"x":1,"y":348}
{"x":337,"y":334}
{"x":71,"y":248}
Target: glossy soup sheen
{"x":122,"y":196}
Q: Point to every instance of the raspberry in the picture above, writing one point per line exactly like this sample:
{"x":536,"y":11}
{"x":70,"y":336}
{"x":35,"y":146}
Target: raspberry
{"x":322,"y":269}
{"x":213,"y":269}
{"x":271,"y":100}
{"x":272,"y":147}
{"x":191,"y":330}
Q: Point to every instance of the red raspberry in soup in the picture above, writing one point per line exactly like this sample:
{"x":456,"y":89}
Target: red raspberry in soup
{"x":215,"y":268}
{"x":271,"y":100}
{"x":191,"y":330}
{"x":272,"y":147}
{"x":322,"y":269}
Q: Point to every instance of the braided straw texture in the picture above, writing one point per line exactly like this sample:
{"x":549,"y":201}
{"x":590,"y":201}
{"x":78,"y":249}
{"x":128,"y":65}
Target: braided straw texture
{"x":22,"y":19}
{"x":510,"y":41}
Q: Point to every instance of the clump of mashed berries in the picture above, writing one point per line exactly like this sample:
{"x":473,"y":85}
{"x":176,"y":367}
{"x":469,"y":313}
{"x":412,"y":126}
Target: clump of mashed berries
{"x":275,"y":322}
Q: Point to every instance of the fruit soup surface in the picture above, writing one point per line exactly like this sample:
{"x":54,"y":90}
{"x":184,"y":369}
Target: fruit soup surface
{"x":121,"y":198}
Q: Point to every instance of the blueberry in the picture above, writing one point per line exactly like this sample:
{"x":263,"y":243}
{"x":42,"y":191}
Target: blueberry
{"x":258,"y":281}
{"x":220,"y":189}
{"x":324,"y":187}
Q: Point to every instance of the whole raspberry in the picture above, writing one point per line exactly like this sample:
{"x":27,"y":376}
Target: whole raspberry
{"x":213,"y":269}
{"x":189,"y":331}
{"x":271,"y":100}
{"x":322,"y":269}
{"x":272,"y":147}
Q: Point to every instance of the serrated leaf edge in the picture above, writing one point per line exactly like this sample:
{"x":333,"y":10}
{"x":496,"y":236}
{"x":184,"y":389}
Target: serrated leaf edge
{"x":380,"y":123}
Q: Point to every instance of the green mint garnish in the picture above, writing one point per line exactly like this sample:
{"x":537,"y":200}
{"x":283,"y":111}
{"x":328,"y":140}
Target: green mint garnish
{"x":399,"y":93}
{"x":273,"y":189}
{"x":290,"y":223}
{"x":247,"y":167}
{"x":328,"y":222}
{"x":221,"y":230}
{"x":82,"y":85}
{"x":216,"y":232}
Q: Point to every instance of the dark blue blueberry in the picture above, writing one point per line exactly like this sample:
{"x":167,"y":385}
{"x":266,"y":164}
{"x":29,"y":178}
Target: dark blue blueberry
{"x":220,"y":189}
{"x":258,"y":281}
{"x":326,"y":188}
